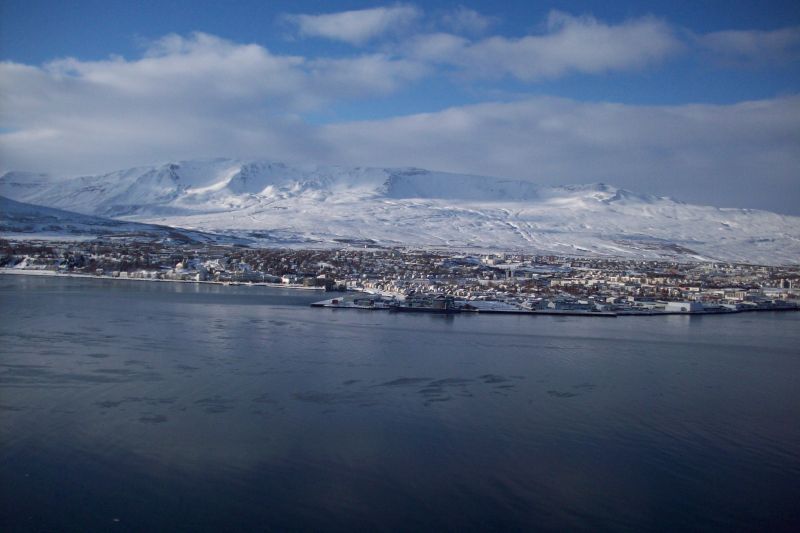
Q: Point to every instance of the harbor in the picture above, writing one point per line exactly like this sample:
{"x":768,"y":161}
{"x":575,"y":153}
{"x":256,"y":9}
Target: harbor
{"x":440,"y":304}
{"x":431,"y":281}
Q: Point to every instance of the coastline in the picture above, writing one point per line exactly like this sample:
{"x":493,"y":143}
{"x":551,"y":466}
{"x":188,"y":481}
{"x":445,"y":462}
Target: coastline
{"x":327,"y":304}
{"x":54,"y":274}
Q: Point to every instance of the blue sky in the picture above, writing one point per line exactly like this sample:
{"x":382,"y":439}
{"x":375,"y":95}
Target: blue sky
{"x":697,"y":100}
{"x":36,"y":31}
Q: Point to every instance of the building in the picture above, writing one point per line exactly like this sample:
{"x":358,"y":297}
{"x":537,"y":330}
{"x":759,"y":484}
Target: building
{"x":683,"y":307}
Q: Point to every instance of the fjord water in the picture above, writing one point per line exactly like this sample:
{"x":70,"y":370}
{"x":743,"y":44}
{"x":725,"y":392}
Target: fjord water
{"x":166,"y":406}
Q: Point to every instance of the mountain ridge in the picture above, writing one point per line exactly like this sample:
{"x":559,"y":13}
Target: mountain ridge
{"x":275,"y":203}
{"x":206,"y":179}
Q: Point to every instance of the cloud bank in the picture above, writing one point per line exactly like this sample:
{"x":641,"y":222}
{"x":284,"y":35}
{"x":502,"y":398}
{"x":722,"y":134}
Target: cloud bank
{"x":355,"y":27}
{"x":731,"y":155}
{"x":201,"y":95}
{"x":753,"y":47}
{"x":570,"y":44}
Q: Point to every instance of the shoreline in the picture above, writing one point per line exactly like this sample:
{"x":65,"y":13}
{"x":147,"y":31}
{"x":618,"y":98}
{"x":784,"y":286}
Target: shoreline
{"x":327,"y":305}
{"x":593,"y":314}
{"x":54,"y":274}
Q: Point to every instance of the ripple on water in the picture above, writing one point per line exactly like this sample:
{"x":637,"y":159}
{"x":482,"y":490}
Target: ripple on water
{"x":493,"y":378}
{"x":562,"y":394}
{"x":153,"y":419}
{"x":401,"y":382}
{"x":216,"y":404}
{"x":333,"y":398}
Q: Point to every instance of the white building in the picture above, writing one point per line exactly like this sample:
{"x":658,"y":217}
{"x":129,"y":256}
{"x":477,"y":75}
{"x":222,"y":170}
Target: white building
{"x":683,"y":307}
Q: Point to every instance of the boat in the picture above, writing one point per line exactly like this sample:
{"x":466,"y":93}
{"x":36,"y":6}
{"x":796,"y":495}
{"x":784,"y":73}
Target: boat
{"x":369,"y":302}
{"x":427,"y":304}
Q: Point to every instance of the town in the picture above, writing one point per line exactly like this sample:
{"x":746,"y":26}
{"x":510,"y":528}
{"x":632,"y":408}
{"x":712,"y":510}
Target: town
{"x":431,"y":279}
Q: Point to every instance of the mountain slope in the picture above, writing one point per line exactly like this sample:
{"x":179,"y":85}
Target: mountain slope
{"x":220,"y":184}
{"x":17,"y":218}
{"x":304,"y":205}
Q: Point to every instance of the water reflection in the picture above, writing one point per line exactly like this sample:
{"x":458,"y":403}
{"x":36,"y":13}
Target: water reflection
{"x":179,"y":406}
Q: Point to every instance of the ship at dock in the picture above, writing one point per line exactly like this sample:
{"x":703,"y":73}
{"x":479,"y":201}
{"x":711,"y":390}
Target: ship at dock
{"x":370,"y":302}
{"x":427,"y":303}
{"x":413,"y":303}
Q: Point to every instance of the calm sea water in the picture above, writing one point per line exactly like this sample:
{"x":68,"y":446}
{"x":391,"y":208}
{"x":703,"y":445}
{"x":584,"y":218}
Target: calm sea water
{"x":160,"y":406}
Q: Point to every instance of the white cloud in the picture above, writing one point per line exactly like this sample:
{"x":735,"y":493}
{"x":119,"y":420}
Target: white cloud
{"x":753,"y":47}
{"x":570,"y":44}
{"x":375,"y":74}
{"x":184,"y":97}
{"x":355,"y":27}
{"x":204,"y":96}
{"x":465,"y":20}
{"x":729,"y":155}
{"x":435,"y":47}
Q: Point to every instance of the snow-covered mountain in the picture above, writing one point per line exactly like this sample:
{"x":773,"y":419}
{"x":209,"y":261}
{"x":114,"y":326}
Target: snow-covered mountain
{"x":220,"y":184}
{"x":310,"y":205}
{"x":21,"y":219}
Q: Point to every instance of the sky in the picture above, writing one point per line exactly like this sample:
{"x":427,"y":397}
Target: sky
{"x":699,"y":101}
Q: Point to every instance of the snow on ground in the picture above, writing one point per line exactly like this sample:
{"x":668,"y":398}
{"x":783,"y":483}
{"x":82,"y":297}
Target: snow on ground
{"x":33,"y":222}
{"x":309,"y":205}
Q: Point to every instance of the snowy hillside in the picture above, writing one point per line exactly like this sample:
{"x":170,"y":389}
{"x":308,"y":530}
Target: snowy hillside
{"x":222,"y":184}
{"x":309,"y":205}
{"x":21,"y":219}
